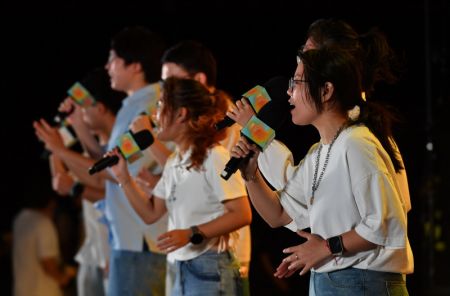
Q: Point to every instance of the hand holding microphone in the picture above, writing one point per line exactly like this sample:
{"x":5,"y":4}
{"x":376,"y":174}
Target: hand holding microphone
{"x":129,"y":145}
{"x":241,"y":112}
{"x":261,"y":130}
{"x":257,"y":97}
{"x":120,"y":168}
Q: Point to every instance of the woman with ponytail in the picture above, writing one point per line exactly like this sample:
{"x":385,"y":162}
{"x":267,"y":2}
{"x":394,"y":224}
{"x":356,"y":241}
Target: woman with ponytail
{"x":377,"y":63}
{"x":347,"y":188}
{"x":204,"y":210}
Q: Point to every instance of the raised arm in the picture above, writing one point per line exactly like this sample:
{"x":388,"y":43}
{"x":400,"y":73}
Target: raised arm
{"x":77,"y":163}
{"x":86,"y":138}
{"x":149,"y":208}
{"x":264,"y":200}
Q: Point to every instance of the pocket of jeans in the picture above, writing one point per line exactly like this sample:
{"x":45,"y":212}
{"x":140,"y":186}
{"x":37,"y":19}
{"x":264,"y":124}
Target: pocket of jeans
{"x":345,"y":278}
{"x":395,"y":288}
{"x":204,"y":267}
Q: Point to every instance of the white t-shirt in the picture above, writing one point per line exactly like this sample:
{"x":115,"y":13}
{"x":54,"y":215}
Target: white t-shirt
{"x":359,"y":190}
{"x":95,"y":248}
{"x":34,"y":239}
{"x":196,"y":197}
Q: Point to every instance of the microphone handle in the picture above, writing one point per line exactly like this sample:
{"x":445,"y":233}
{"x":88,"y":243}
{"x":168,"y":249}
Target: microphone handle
{"x":226,"y":122}
{"x":233,"y":165}
{"x":103,"y":163}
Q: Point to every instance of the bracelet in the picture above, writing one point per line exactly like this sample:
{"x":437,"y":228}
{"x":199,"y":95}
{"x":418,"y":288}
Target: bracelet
{"x":252,"y":178}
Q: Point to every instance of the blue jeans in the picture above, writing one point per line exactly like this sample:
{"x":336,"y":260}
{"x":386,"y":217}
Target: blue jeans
{"x":353,"y":281}
{"x":136,"y":273}
{"x":209,"y":274}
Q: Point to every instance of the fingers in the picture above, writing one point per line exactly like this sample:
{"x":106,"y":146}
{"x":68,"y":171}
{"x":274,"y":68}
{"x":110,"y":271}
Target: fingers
{"x":304,"y":234}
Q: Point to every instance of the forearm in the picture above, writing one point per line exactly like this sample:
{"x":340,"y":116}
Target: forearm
{"x":52,"y":269}
{"x":88,"y":141}
{"x":266,"y":202}
{"x":79,"y":165}
{"x":230,"y":220}
{"x":143,"y":205}
{"x":354,"y":243}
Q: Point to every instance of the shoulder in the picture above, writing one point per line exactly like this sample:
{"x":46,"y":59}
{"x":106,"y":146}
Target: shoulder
{"x":362,"y":149}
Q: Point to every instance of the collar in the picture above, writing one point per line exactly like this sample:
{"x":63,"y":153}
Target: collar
{"x":150,"y":90}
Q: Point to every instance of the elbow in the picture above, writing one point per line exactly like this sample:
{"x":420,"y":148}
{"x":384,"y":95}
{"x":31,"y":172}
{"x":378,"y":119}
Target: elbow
{"x":273,"y":224}
{"x":247,"y":219}
{"x":148,"y":219}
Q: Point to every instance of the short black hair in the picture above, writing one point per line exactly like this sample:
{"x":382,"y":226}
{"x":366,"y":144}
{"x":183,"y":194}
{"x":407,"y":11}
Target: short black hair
{"x":194,"y":57}
{"x":140,"y":45}
{"x":97,"y":82}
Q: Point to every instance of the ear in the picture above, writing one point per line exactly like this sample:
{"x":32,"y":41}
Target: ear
{"x":182,"y":115}
{"x":101,"y":108}
{"x":201,"y":77}
{"x":327,"y":91}
{"x":137,"y":67}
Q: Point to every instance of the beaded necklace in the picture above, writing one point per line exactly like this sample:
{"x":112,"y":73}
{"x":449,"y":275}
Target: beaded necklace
{"x":316,"y":181}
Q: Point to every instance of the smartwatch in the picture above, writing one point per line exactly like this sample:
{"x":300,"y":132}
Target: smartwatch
{"x":335,"y":245}
{"x":76,"y":190}
{"x":197,"y":236}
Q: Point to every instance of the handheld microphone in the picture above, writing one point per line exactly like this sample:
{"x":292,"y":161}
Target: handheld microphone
{"x":271,"y":116}
{"x":142,"y":139}
{"x":257,"y":97}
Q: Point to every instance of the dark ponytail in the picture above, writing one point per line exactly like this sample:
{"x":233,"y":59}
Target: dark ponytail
{"x":380,"y":61}
{"x":342,"y":69}
{"x":379,"y":120}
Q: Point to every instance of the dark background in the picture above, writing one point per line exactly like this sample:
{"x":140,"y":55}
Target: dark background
{"x":43,"y":54}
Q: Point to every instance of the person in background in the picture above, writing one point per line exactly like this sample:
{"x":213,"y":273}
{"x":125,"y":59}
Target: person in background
{"x":70,"y":176}
{"x":204,"y":210}
{"x":134,"y":68}
{"x":191,"y":59}
{"x":37,"y":266}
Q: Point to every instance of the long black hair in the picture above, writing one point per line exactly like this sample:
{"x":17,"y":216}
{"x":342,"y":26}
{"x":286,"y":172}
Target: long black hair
{"x":343,"y":70}
{"x":377,"y":59}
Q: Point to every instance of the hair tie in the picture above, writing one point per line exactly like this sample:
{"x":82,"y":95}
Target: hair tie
{"x":353,"y":114}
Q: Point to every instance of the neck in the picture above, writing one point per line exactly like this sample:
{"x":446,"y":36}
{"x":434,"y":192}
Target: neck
{"x":136,"y":85}
{"x":328,"y":126}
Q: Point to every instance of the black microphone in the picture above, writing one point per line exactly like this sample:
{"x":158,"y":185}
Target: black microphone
{"x":143,"y":139}
{"x":273,"y":114}
{"x":225,"y":122}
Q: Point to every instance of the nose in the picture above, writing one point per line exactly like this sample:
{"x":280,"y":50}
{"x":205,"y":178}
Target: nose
{"x":289,"y":92}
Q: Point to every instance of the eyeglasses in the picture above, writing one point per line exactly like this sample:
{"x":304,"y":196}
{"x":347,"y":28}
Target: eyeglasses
{"x":293,"y":82}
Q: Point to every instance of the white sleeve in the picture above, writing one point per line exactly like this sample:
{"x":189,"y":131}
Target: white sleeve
{"x":160,"y":187}
{"x":383,"y":219}
{"x":225,"y":189}
{"x":47,"y":240}
{"x":293,"y":200}
{"x":276,"y":164}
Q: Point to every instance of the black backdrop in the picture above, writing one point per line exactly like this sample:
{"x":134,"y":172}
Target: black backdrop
{"x":43,"y":53}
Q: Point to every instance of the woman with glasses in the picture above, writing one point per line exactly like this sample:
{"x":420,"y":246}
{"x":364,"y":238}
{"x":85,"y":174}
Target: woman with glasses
{"x":377,"y":62}
{"x":346,"y":189}
{"x":204,"y":210}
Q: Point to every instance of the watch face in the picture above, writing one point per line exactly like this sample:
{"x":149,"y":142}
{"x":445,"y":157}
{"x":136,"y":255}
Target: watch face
{"x":335,"y":244}
{"x":196,"y":238}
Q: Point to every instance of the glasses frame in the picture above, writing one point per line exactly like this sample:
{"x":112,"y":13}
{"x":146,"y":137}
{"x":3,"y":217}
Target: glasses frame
{"x":293,"y":82}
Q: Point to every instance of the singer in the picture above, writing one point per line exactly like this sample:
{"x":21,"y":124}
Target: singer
{"x":204,"y":210}
{"x":348,"y":189}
